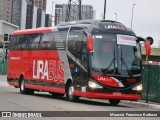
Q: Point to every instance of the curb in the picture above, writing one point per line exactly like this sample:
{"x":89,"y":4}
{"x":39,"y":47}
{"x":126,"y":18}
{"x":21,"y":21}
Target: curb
{"x":141,"y":104}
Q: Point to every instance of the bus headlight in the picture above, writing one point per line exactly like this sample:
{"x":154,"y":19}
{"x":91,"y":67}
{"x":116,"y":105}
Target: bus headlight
{"x":138,"y":88}
{"x":94,"y":85}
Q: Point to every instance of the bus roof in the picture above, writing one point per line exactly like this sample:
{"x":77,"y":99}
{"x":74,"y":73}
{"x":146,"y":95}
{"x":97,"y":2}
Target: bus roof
{"x":33,"y":31}
{"x":89,"y":22}
{"x":100,"y":25}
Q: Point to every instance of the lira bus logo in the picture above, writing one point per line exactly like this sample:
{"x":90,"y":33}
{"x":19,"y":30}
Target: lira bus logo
{"x":50,"y":70}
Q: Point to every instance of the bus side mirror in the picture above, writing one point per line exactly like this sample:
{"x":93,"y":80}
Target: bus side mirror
{"x":148,"y":47}
{"x":90,"y":43}
{"x":150,"y":39}
{"x":148,"y":43}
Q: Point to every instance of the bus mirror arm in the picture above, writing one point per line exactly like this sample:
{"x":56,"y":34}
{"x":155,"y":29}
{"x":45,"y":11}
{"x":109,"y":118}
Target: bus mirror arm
{"x":140,"y":39}
{"x":150,"y":39}
{"x":86,"y":33}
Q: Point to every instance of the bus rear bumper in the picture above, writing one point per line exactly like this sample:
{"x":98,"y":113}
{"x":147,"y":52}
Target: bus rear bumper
{"x":119,"y":96}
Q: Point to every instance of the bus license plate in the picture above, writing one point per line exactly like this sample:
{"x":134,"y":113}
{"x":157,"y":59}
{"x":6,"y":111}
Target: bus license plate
{"x":117,"y":93}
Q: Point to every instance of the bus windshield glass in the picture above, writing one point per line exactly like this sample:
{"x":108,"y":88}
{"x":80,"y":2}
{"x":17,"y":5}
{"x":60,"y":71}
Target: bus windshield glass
{"x":115,"y":54}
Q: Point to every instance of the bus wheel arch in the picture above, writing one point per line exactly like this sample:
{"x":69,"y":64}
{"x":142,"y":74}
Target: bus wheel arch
{"x":69,"y":89}
{"x":23,"y":89}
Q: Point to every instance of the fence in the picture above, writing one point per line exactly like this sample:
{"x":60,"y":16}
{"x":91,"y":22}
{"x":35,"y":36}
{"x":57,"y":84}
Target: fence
{"x":3,"y":68}
{"x":151,"y":83}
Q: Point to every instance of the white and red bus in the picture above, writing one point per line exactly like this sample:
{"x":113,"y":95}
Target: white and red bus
{"x":91,"y":59}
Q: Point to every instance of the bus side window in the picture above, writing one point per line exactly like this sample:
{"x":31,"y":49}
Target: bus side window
{"x":60,"y":37}
{"x":13,"y":44}
{"x":22,"y":42}
{"x":78,"y":47}
{"x":75,"y":42}
{"x":34,"y":41}
{"x":46,"y":41}
{"x":84,"y":52}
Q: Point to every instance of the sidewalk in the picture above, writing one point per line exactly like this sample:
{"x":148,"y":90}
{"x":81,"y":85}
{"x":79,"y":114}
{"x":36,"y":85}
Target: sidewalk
{"x":2,"y":77}
{"x":3,"y":81}
{"x":142,"y":103}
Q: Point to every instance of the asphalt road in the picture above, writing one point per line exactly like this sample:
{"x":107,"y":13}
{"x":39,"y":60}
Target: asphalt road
{"x":12,"y":100}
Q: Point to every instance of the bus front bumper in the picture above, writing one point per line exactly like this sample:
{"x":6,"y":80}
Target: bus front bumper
{"x":114,"y":95}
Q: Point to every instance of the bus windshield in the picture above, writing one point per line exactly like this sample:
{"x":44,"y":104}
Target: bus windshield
{"x":116,"y":54}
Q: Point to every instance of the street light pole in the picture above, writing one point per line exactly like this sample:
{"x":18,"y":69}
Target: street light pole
{"x":104,"y":10}
{"x":132,"y":14}
{"x":116,"y":16}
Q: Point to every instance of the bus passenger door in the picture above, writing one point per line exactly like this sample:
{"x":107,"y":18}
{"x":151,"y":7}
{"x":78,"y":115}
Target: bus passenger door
{"x":78,"y":58}
{"x":83,"y":70}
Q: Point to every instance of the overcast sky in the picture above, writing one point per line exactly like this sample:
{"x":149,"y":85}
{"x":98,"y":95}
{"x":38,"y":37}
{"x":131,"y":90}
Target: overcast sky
{"x":146,"y":17}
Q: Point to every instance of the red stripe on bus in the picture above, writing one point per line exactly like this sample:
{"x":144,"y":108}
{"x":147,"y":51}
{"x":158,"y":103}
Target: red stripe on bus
{"x":80,"y":93}
{"x":106,"y":80}
{"x":45,"y":88}
{"x":32,"y":31}
{"x":38,"y":87}
{"x":16,"y":84}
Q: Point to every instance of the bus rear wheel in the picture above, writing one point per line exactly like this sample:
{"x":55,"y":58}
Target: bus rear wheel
{"x":114,"y":102}
{"x":70,"y":93}
{"x":23,"y":89}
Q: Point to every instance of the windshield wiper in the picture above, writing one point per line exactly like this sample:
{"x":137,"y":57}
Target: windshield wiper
{"x":106,"y":70}
{"x":125,"y":64}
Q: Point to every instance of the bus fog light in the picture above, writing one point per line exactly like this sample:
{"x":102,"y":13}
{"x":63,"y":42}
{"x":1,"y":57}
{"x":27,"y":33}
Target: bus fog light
{"x":138,"y":88}
{"x":93,"y":85}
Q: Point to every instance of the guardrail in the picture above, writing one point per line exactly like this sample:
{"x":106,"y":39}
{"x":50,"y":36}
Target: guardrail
{"x":3,"y":68}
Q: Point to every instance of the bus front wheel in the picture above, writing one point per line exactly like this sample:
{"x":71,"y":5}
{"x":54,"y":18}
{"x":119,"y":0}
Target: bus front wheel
{"x":70,"y":93}
{"x":23,"y":89}
{"x":114,"y":102}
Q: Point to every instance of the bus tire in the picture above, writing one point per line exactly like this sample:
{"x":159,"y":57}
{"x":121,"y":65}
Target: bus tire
{"x":23,"y":89}
{"x":70,"y":93}
{"x":114,"y":102}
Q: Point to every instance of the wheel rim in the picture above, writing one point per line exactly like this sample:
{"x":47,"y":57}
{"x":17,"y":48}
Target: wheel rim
{"x":70,"y":91}
{"x":22,"y":85}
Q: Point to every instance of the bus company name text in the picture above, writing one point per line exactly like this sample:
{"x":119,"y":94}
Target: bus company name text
{"x":48,"y":69}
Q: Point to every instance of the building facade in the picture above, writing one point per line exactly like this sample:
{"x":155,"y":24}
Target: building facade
{"x":48,"y":20}
{"x":19,"y":8}
{"x":87,"y":12}
{"x":32,"y":13}
{"x":36,"y":10}
{"x":23,"y":13}
{"x":6,"y":10}
{"x":40,"y":4}
{"x":6,"y":29}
